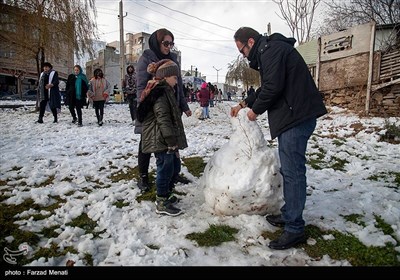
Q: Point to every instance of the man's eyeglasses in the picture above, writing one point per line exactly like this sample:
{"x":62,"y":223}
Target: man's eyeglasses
{"x":167,"y":43}
{"x":241,"y":49}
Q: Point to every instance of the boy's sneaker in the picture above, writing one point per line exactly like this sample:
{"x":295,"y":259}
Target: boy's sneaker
{"x":165,"y":207}
{"x":173,"y":199}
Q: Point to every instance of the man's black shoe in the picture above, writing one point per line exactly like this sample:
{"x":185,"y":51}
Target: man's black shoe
{"x":287,"y":240}
{"x":275,"y":220}
{"x":183,"y":180}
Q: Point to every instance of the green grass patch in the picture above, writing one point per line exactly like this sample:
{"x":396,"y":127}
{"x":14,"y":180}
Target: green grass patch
{"x":385,"y":227}
{"x":49,"y":232}
{"x":9,"y":228}
{"x":339,"y":142}
{"x":390,"y":177}
{"x":345,"y":247}
{"x":396,"y":178}
{"x":316,"y":161}
{"x":84,"y":222}
{"x":70,"y":193}
{"x":152,"y":194}
{"x":88,"y":259}
{"x":148,"y":196}
{"x":52,"y":252}
{"x":47,"y":182}
{"x":128,"y":175}
{"x":195,"y":165}
{"x":67,"y":179}
{"x":338,"y":163}
{"x":392,"y":134}
{"x":153,"y":246}
{"x":16,"y":168}
{"x":97,"y":233}
{"x":121,"y":203}
{"x":355,"y":218}
{"x":213,"y":236}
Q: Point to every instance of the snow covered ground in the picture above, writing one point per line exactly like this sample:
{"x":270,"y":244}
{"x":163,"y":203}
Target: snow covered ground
{"x":79,"y":161}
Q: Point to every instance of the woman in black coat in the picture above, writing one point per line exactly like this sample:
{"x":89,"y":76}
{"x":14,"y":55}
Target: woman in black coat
{"x":77,"y":86}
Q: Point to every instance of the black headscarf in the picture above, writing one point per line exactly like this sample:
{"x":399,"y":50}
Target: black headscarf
{"x":155,"y":47}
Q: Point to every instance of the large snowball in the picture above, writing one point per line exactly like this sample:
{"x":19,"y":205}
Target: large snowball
{"x":243,"y":176}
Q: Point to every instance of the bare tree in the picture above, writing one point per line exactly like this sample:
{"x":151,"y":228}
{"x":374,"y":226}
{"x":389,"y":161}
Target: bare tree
{"x":41,"y":28}
{"x":239,"y":71}
{"x":340,"y":15}
{"x":299,"y":16}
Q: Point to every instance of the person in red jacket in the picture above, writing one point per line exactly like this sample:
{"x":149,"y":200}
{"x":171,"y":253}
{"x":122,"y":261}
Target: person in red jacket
{"x":204,"y":99}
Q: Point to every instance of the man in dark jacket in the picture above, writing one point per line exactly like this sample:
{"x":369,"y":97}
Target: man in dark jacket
{"x":293,"y":102}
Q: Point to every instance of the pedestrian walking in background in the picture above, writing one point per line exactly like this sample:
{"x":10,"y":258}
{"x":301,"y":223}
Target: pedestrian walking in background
{"x":129,"y":89}
{"x":99,"y":93}
{"x":49,"y":93}
{"x":76,"y":90}
{"x":204,"y":99}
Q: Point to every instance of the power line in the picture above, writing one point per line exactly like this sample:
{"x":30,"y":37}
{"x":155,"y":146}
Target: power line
{"x":147,"y":21}
{"x":191,"y":25}
{"x":191,"y":16}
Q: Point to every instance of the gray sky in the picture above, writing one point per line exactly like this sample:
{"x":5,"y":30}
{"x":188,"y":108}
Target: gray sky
{"x":203,"y":30}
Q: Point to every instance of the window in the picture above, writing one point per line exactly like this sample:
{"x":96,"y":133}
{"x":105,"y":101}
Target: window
{"x":339,"y":44}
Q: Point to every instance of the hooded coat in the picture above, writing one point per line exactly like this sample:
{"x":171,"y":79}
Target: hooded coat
{"x":142,"y":76}
{"x":129,"y":83}
{"x":288,"y":91}
{"x":162,"y":121}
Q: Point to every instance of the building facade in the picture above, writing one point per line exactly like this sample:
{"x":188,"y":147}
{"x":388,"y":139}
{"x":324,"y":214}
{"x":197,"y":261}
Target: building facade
{"x":19,"y":55}
{"x":358,"y":68}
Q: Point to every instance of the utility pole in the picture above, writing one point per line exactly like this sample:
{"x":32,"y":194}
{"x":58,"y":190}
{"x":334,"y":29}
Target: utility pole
{"x":217,"y":72}
{"x":121,"y":46}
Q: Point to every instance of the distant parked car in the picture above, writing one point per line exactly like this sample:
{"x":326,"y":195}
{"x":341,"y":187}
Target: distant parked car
{"x":30,"y":94}
{"x":4,"y":94}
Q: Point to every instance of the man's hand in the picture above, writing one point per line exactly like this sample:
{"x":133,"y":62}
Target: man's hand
{"x":235,"y":110}
{"x":188,"y":113}
{"x":251,"y":115}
